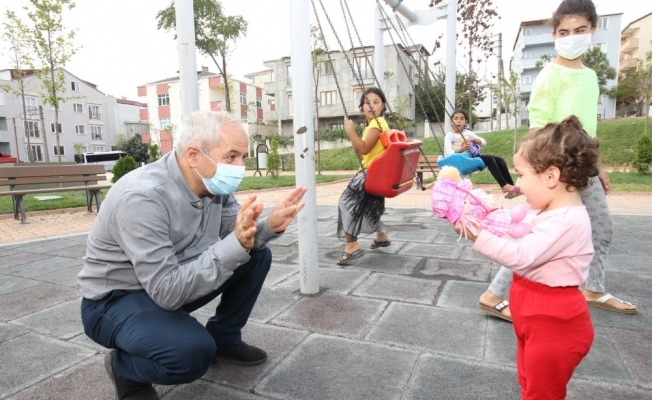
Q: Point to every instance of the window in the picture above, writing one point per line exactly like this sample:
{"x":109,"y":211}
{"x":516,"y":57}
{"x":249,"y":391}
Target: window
{"x":337,"y":126}
{"x":259,"y":102}
{"x":527,"y":55}
{"x":2,"y":98}
{"x":163,"y":100}
{"x":37,"y":152}
{"x":327,"y":68}
{"x":527,"y":32}
{"x":289,"y":104}
{"x":58,"y":126}
{"x":272,"y":104}
{"x":601,"y":45}
{"x":243,"y":98}
{"x":94,"y":112}
{"x":96,"y":132}
{"x":31,"y":107}
{"x":32,"y":129}
{"x":365,"y":67}
{"x":97,"y":149}
{"x":61,"y":150}
{"x":3,"y":124}
{"x":357,"y":95}
{"x":164,"y":124}
{"x":603,"y":23}
{"x":77,"y":108}
{"x":328,"y":98}
{"x":80,"y":129}
{"x":289,"y":75}
{"x":74,"y":86}
{"x":526,"y":79}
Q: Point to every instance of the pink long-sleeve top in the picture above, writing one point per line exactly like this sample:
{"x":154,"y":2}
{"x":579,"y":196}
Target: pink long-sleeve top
{"x":556,"y":253}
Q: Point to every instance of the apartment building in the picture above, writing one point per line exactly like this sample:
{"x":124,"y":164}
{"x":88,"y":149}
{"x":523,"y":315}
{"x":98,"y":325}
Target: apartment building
{"x":635,"y":42}
{"x":331,"y":110}
{"x":534,"y":40}
{"x":163,"y":100}
{"x":127,"y":118}
{"x":89,"y":117}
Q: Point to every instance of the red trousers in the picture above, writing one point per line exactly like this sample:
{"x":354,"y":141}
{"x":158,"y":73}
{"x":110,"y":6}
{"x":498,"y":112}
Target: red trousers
{"x":554,"y":333}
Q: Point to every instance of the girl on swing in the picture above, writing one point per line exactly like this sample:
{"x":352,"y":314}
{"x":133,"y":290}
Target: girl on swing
{"x":358,"y":211}
{"x":459,"y":141}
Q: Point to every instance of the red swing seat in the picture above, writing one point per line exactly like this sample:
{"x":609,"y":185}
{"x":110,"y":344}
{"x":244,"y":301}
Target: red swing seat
{"x":389,"y":174}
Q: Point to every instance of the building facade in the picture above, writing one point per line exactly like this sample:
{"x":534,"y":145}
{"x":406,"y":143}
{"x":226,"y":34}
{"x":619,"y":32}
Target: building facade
{"x":164,"y":114}
{"x":89,"y":117}
{"x":534,"y":40}
{"x":396,"y":85}
{"x":635,"y":43}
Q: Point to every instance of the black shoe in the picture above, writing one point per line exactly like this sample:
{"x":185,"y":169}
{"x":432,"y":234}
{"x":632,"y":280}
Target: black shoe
{"x":240,"y":354}
{"x":124,"y":391}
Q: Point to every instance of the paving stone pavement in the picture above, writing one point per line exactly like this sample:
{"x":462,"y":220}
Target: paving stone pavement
{"x":398,"y":323}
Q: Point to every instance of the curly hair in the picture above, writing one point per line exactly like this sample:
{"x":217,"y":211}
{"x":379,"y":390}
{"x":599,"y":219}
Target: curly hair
{"x":585,"y":8}
{"x":566,"y":146}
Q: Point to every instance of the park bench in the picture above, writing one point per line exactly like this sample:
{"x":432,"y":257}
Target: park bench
{"x":424,"y":165}
{"x":22,"y":180}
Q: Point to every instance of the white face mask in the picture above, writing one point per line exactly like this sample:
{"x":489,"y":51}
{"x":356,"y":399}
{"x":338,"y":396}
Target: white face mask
{"x":573,"y":46}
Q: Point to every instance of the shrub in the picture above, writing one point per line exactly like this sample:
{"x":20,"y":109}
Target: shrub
{"x":123,"y":167}
{"x":154,"y":154}
{"x":273,"y":158}
{"x":643,"y":156}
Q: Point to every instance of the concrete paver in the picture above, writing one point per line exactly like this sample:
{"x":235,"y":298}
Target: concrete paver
{"x":398,"y":323}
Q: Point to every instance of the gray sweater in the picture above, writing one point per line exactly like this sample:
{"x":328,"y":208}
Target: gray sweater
{"x":154,"y":233}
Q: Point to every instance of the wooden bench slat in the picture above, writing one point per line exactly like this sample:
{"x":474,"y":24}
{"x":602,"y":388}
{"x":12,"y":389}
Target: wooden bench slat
{"x":54,"y":190}
{"x":61,"y":179}
{"x":62,"y":170}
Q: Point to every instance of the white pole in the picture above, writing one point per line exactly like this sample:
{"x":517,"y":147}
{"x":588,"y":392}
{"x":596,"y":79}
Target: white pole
{"x":379,"y":60}
{"x":304,"y":143}
{"x":410,"y":15}
{"x":187,"y":59}
{"x":451,"y":28}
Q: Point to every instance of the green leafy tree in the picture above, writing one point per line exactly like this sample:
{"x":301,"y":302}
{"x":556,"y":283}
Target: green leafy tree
{"x":643,"y":156}
{"x":154,"y":152}
{"x":598,"y":62}
{"x":52,"y":47}
{"x":135,"y":147}
{"x":122,"y":167}
{"x":78,"y":147}
{"x":273,"y":159}
{"x":17,"y":48}
{"x":215,"y":34}
{"x":397,"y":117}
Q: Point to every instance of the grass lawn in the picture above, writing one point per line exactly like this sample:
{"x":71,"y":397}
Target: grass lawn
{"x":78,"y":199}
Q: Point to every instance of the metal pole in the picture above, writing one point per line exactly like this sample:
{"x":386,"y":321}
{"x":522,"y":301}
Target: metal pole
{"x":304,"y":142}
{"x":187,"y":59}
{"x":451,"y":28}
{"x":499,"y":112}
{"x":410,"y":15}
{"x":379,"y":60}
{"x":16,"y":140}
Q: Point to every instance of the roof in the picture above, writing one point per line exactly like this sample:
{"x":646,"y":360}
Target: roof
{"x":131,"y":103}
{"x":252,"y":74}
{"x":635,"y":21}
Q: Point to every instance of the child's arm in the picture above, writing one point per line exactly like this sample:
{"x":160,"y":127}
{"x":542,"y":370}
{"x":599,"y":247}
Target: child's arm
{"x":448,"y":144}
{"x":364,"y":146}
{"x":473,"y":137}
{"x":547,"y":239}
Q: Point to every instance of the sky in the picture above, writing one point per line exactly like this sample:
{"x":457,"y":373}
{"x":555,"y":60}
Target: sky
{"x":121,"y":49}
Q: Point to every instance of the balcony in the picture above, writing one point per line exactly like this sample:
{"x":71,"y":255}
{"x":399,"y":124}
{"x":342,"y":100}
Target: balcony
{"x":537,"y":40}
{"x":628,"y":64}
{"x":629,"y":45}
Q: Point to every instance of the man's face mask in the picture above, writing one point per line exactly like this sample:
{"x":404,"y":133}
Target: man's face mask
{"x":226,"y":180}
{"x":573,"y":46}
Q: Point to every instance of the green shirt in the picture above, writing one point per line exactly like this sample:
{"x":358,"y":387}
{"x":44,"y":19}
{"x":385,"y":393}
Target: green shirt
{"x":559,"y":92}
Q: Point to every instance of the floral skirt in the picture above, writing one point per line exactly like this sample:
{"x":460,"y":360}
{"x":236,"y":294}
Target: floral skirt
{"x":359,"y":212}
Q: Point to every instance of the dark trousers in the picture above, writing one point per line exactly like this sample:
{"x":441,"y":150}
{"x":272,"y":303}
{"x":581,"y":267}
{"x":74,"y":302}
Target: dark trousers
{"x":498,"y":169}
{"x":165,"y":347}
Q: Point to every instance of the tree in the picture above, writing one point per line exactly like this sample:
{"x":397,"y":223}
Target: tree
{"x":122,"y":167}
{"x":510,"y":96}
{"x":135,"y":147}
{"x":636,"y":87}
{"x":397,"y":117}
{"x":430,"y":93}
{"x":273,"y":159}
{"x":215,"y":34}
{"x":52,"y":47}
{"x":17,"y":49}
{"x":154,"y":153}
{"x":598,"y":62}
{"x":78,"y":147}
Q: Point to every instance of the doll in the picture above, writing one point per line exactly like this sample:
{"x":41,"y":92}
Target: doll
{"x":468,"y":209}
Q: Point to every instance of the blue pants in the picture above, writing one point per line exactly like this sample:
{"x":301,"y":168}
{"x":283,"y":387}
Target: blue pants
{"x":154,"y":345}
